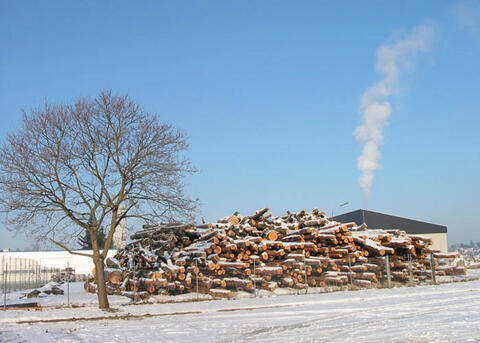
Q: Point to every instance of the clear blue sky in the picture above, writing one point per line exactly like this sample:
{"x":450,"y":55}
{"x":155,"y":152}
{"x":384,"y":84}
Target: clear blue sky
{"x":269,"y":93}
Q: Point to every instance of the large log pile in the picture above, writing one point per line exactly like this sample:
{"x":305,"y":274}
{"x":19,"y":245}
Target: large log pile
{"x":263,"y":251}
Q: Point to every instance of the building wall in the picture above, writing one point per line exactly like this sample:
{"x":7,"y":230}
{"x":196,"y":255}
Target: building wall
{"x":439,"y":241}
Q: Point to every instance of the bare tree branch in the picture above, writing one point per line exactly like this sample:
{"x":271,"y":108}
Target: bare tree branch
{"x":69,"y":250}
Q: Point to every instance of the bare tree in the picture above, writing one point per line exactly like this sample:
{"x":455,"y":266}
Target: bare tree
{"x":68,"y":169}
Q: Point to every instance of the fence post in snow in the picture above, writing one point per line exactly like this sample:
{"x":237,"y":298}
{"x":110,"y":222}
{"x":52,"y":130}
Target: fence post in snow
{"x":12,"y":280}
{"x":29,"y":275}
{"x":432,"y":267}
{"x":410,"y":270}
{"x":5,"y":271}
{"x":389,"y":276}
{"x":67,"y":275}
{"x":32,"y":264}
{"x":37,"y":274}
{"x":13,"y":275}
{"x":254,"y":278}
{"x":13,"y":268}
{"x":350,"y":270}
{"x":135,"y":283}
{"x":196,"y":273}
{"x":306,"y":277}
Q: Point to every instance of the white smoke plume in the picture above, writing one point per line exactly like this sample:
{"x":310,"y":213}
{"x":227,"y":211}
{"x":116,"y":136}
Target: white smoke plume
{"x":392,"y":59}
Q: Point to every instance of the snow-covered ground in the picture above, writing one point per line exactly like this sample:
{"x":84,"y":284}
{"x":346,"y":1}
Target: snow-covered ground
{"x":443,"y":313}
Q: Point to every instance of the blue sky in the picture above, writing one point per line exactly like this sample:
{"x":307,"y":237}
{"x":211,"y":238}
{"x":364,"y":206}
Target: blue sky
{"x":269,"y":93}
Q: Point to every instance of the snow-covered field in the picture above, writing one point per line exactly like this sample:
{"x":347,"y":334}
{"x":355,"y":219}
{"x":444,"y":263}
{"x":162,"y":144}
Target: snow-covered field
{"x":443,"y":313}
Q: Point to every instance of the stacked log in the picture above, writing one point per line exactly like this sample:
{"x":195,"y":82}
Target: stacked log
{"x":471,"y":256}
{"x":448,"y":264}
{"x":263,"y":251}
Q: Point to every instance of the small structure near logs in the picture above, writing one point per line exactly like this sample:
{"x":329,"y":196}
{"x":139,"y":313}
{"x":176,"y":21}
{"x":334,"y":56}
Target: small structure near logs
{"x":263,"y":251}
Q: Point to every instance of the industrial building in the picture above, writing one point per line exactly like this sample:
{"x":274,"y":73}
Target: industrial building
{"x":382,"y":221}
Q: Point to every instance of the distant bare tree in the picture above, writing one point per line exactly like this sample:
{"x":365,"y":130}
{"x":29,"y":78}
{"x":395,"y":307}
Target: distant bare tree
{"x":70,"y":167}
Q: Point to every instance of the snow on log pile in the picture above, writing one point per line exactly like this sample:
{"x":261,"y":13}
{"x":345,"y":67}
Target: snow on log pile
{"x":263,"y":251}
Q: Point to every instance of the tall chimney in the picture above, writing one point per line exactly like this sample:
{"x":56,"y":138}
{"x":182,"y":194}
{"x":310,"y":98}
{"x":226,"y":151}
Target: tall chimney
{"x":120,"y":235}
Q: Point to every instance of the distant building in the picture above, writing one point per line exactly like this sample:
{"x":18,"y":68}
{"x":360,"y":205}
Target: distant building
{"x":381,"y":221}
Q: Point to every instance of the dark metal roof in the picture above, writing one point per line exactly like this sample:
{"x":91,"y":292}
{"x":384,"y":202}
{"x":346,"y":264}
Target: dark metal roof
{"x":377,"y":220}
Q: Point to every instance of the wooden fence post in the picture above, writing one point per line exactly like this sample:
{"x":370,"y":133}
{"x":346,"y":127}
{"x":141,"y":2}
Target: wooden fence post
{"x":389,"y":276}
{"x":432,"y":267}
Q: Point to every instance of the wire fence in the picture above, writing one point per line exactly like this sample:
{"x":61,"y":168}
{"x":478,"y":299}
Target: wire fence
{"x":19,"y":274}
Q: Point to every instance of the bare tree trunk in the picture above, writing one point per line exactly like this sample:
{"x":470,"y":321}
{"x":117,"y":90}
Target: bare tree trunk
{"x":99,"y":274}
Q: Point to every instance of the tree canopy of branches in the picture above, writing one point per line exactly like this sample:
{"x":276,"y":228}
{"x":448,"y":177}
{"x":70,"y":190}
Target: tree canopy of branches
{"x":69,"y":168}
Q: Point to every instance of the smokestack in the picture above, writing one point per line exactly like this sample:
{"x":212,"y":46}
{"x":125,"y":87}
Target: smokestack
{"x":120,"y":234}
{"x":392,"y":59}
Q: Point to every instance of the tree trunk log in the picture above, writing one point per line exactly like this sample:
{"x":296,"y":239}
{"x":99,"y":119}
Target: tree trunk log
{"x":100,"y":274}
